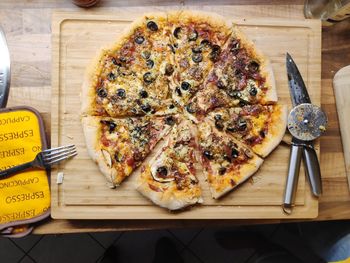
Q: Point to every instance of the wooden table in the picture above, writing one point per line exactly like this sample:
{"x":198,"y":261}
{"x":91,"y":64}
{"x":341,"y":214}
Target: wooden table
{"x":28,"y":28}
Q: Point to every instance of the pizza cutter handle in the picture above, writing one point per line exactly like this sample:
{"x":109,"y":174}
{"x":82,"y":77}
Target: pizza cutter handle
{"x":313,"y":170}
{"x":296,"y":153}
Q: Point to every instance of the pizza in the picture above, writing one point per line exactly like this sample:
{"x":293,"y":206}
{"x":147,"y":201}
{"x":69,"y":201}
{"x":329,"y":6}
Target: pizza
{"x":261,"y":127}
{"x":169,"y":179}
{"x":180,"y":96}
{"x":226,"y":162}
{"x":120,"y":145}
{"x":240,"y":76}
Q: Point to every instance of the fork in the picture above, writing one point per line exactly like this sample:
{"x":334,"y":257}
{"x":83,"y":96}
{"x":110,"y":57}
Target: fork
{"x":44,"y":159}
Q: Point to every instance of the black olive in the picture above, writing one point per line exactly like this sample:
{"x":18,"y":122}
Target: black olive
{"x":185,"y":85}
{"x":262,"y":133}
{"x":115,"y":62}
{"x":196,"y":50}
{"x":147,"y":77}
{"x":170,"y":120}
{"x":118,"y":157}
{"x":193,"y":36}
{"x":231,"y":128}
{"x":242,"y":103}
{"x":149,"y":63}
{"x":222,"y":170}
{"x":242,"y":124}
{"x":220,"y":84}
{"x":234,"y":153}
{"x":215,"y":53}
{"x":146,"y":107}
{"x":208,"y":154}
{"x":145,"y":54}
{"x":102,"y":92}
{"x":219,"y":124}
{"x":171,"y":106}
{"x":171,"y":48}
{"x":235,"y":47}
{"x":122,"y":59}
{"x":234,"y":93}
{"x":217,"y":117}
{"x":139,"y":40}
{"x":190,"y":108}
{"x":176,"y":32}
{"x":176,"y":45}
{"x":169,"y":69}
{"x":253,"y":91}
{"x":143,"y":94}
{"x":151,"y":25}
{"x":162,"y":171}
{"x":205,"y":43}
{"x":111,"y":76}
{"x":178,"y":91}
{"x":121,"y":93}
{"x":197,"y":57}
{"x":253,"y":66}
{"x":112,"y":126}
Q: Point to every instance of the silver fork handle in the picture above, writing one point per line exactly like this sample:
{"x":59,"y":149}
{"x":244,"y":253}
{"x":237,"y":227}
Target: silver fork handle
{"x":15,"y":169}
{"x":292,"y":178}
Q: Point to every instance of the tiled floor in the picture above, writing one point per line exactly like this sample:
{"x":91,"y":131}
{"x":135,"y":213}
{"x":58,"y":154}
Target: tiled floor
{"x":198,"y":245}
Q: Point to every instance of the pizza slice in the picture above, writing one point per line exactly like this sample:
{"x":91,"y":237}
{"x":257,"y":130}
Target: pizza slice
{"x":131,"y":77}
{"x":120,"y":145}
{"x":226,"y":161}
{"x":257,"y":126}
{"x":169,"y":179}
{"x":241,"y":76}
{"x":197,"y":39}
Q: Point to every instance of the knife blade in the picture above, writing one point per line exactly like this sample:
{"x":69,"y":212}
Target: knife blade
{"x":297,"y":88}
{"x":300,"y":148}
{"x":5,"y":70}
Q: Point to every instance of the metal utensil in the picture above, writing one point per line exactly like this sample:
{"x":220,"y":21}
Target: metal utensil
{"x":44,"y":159}
{"x":5,"y":70}
{"x":306,"y":122}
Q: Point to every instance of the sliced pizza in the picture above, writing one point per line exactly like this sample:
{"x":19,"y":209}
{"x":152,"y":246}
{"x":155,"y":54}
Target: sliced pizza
{"x":197,"y":40}
{"x":257,"y":126}
{"x":226,"y":161}
{"x":131,"y":77}
{"x":169,"y":179}
{"x":120,"y":145}
{"x":241,"y":76}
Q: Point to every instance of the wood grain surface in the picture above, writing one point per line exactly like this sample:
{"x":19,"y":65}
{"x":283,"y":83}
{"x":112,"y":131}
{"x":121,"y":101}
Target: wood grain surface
{"x":28,"y":28}
{"x":341,"y":83}
{"x":84,"y":193}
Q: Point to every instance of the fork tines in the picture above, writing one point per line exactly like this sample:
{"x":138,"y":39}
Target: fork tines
{"x":55,"y":155}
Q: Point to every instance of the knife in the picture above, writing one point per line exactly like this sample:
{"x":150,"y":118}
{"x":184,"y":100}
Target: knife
{"x":306,"y":122}
{"x":5,"y":70}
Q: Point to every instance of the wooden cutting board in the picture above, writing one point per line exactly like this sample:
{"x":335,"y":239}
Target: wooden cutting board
{"x":84,"y":194}
{"x":341,"y":84}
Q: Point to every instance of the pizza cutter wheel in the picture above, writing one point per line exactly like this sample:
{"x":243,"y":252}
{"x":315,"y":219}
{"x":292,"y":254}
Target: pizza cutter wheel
{"x":307,"y":122}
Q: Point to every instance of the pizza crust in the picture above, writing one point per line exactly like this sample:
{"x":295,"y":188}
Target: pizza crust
{"x":167,"y":199}
{"x":87,"y":96}
{"x":91,"y":129}
{"x":277,"y":129}
{"x":213,"y":19}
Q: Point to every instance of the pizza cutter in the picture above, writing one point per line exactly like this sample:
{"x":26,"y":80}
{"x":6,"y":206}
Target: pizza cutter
{"x":306,"y":122}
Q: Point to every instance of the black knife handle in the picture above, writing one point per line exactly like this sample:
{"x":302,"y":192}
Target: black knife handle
{"x":296,"y":153}
{"x":313,"y":170}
